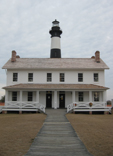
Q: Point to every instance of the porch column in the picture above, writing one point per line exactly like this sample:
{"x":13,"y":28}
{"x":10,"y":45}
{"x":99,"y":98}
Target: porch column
{"x":20,"y":112}
{"x":73,"y":96}
{"x":6,"y":97}
{"x":6,"y":100}
{"x":112,"y":103}
{"x":90,"y":96}
{"x":21,"y":96}
{"x":55,"y":99}
{"x":104,"y":97}
{"x":37,"y":96}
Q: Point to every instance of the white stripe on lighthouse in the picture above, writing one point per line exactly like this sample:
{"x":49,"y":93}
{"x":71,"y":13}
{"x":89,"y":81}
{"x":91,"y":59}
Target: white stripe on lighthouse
{"x":55,"y":43}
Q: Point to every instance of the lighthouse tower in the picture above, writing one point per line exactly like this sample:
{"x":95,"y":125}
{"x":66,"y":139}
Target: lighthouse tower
{"x":55,"y":32}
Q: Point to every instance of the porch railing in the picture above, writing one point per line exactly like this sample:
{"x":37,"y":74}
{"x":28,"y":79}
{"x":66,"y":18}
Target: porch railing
{"x":24,"y":105}
{"x":88,"y":105}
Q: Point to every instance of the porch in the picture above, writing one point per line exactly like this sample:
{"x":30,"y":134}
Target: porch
{"x":76,"y":97}
{"x":39,"y":100}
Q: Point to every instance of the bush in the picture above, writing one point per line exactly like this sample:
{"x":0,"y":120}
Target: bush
{"x":2,"y":99}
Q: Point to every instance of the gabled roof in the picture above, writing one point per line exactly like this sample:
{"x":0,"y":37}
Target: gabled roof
{"x":56,"y":86}
{"x":55,"y":63}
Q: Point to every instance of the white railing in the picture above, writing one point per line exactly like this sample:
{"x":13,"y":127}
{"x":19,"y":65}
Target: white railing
{"x":82,"y":105}
{"x":24,"y":105}
{"x":70,"y":107}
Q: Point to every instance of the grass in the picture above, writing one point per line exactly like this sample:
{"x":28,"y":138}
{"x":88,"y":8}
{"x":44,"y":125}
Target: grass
{"x":17,"y":132}
{"x":96,"y":132}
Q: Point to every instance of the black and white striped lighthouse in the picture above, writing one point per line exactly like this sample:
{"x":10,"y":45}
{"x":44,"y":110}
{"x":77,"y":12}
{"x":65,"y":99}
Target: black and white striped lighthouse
{"x":55,"y":32}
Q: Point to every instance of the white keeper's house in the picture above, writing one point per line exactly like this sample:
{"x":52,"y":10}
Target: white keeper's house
{"x":37,"y":83}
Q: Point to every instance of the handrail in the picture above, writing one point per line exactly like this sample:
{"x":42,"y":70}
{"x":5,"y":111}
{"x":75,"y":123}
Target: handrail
{"x":25,"y":104}
{"x":82,"y":105}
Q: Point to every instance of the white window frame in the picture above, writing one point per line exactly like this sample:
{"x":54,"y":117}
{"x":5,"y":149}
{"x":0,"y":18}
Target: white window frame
{"x":30,"y":96}
{"x":30,"y":78}
{"x":80,"y":77}
{"x":96,"y":96}
{"x":96,"y":79}
{"x":14,"y":96}
{"x":80,"y":97}
{"x":15,"y":77}
{"x":49,"y":77}
{"x":62,"y":77}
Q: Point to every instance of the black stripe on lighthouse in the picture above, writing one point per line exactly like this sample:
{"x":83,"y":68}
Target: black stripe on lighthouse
{"x":55,"y":32}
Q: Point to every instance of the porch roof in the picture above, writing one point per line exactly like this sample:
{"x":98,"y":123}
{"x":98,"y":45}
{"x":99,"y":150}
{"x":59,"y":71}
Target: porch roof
{"x":56,"y":86}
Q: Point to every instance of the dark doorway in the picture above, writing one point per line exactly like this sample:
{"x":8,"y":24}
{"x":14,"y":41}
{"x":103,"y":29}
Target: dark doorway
{"x":61,"y":100}
{"x":48,"y":100}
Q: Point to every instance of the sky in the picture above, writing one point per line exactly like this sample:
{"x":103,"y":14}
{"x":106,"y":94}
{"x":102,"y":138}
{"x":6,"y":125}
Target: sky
{"x":87,"y":26}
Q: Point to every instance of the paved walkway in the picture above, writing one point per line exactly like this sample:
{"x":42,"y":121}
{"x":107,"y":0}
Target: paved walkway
{"x":57,"y":137}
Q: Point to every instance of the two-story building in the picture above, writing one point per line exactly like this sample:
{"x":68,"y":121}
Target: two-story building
{"x":55,"y":82}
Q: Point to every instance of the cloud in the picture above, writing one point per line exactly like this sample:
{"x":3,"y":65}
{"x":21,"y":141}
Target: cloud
{"x":110,"y":94}
{"x":86,"y":25}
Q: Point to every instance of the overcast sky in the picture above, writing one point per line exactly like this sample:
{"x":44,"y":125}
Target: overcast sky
{"x":87,"y":26}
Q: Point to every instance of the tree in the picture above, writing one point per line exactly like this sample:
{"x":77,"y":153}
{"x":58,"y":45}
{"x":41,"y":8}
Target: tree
{"x":108,"y":102}
{"x":2,"y":99}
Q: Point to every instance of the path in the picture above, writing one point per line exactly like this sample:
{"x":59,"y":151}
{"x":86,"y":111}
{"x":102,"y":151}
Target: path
{"x":57,"y":137}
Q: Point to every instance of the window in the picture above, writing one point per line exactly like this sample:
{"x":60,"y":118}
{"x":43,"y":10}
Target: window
{"x":80,"y":77}
{"x":30,"y":96}
{"x":96,"y":96}
{"x":80,"y":96}
{"x":62,"y":77}
{"x":14,"y":96}
{"x":15,"y":76}
{"x":30,"y":77}
{"x":49,"y":77}
{"x":95,"y":77}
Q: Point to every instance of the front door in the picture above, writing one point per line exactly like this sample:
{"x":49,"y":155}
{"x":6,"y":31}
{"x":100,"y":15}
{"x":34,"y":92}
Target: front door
{"x":48,"y":100}
{"x":61,"y":100}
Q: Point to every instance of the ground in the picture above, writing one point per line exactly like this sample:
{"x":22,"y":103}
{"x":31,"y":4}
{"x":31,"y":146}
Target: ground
{"x":17,"y":132}
{"x":96,"y":132}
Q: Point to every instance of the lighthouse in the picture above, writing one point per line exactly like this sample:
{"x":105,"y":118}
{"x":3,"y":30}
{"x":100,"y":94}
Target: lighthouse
{"x":55,"y":32}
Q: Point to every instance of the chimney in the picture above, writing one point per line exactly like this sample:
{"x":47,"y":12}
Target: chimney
{"x":93,"y":57}
{"x":13,"y":59}
{"x":17,"y":56}
{"x":97,"y":56}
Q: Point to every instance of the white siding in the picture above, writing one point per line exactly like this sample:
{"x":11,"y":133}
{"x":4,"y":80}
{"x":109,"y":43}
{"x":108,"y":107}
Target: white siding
{"x":86,"y":96}
{"x":71,"y":77}
{"x":42,"y":98}
{"x":68,"y":98}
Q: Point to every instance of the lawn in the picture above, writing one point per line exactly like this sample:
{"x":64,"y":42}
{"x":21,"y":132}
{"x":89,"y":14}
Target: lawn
{"x":96,"y":132}
{"x":17,"y":132}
